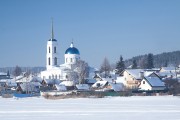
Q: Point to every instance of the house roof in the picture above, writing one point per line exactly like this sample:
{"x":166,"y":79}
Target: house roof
{"x":100,"y":84}
{"x":90,"y":81}
{"x":2,"y":73}
{"x":67,"y":83}
{"x":61,"y":87}
{"x":52,"y":81}
{"x":154,"y":81}
{"x":9,"y":82}
{"x":168,"y":68}
{"x":82,"y":86}
{"x":135,"y":72}
{"x":28,"y":87}
{"x":108,"y":79}
{"x":117,"y":86}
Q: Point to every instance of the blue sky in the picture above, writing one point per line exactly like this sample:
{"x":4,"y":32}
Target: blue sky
{"x":100,"y":28}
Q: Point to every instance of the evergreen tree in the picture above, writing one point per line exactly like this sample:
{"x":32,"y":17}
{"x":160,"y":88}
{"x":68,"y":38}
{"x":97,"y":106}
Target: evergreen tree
{"x":134,"y":66}
{"x":150,"y":63}
{"x":120,"y":66}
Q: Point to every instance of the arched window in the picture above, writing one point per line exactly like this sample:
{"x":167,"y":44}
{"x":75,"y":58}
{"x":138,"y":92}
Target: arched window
{"x":66,"y":60}
{"x":59,"y":76}
{"x":52,"y":76}
{"x":71,"y":59}
{"x":54,"y":49}
{"x":55,"y":76}
{"x":49,"y":50}
{"x":49,"y":77}
{"x":49,"y":61}
{"x":55,"y":61}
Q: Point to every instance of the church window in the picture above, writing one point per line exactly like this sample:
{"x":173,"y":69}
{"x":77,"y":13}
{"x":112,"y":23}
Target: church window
{"x":49,"y":77}
{"x":71,"y":59}
{"x":66,"y":60}
{"x":52,"y":76}
{"x":54,"y":49}
{"x":55,"y":76}
{"x":49,"y":61}
{"x":59,"y":76}
{"x":49,"y":50}
{"x":55,"y":61}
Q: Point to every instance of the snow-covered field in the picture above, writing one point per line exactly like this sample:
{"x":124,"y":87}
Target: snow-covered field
{"x":111,"y":108}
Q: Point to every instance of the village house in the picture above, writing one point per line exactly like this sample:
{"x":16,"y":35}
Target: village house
{"x":131,"y":78}
{"x":152,"y":84}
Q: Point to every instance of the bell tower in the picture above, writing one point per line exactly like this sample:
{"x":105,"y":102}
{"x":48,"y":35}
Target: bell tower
{"x":52,"y":51}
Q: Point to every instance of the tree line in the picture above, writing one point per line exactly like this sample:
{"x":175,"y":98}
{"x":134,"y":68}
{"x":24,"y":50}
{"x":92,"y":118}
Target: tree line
{"x":147,"y":61}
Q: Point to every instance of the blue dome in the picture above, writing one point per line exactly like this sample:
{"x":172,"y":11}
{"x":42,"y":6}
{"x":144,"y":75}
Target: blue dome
{"x":72,"y":50}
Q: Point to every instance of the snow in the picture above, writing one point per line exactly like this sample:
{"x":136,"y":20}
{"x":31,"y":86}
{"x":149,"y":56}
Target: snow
{"x":116,"y":108}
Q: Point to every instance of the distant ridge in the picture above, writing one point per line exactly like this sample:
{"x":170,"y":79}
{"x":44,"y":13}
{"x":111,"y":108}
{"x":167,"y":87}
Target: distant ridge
{"x":24,"y":69}
{"x":160,"y":60}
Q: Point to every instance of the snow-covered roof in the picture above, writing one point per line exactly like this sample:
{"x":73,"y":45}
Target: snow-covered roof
{"x":91,"y":81}
{"x":52,"y":81}
{"x":108,"y":79}
{"x":2,"y":73}
{"x":82,"y":86}
{"x":36,"y":79}
{"x":117,"y":86}
{"x":67,"y":83}
{"x":61,"y":87}
{"x":9,"y":82}
{"x":168,"y":68}
{"x":167,"y":74}
{"x":154,"y":81}
{"x":99,"y":84}
{"x":135,"y":72}
{"x":28,"y":87}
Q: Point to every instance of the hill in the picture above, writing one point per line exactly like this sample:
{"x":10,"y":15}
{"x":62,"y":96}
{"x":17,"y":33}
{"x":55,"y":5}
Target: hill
{"x":160,"y":60}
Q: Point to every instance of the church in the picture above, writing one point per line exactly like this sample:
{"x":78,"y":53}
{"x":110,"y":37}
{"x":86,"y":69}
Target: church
{"x":54,"y":71}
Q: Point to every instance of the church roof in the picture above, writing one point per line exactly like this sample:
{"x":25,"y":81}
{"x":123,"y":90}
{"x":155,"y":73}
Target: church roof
{"x":72,"y":50}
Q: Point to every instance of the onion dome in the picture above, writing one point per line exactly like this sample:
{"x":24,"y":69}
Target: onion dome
{"x":72,"y":50}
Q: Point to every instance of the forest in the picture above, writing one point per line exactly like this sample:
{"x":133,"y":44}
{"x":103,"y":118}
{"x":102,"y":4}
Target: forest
{"x":160,"y":60}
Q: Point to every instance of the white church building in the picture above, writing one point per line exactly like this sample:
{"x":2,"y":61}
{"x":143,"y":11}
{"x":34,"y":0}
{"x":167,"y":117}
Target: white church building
{"x":53,"y":69}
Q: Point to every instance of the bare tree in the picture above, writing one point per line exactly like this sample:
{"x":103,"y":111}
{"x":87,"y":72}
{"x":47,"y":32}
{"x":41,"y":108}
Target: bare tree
{"x":72,"y":76}
{"x":105,"y":67}
{"x":82,"y":70}
{"x":17,"y":71}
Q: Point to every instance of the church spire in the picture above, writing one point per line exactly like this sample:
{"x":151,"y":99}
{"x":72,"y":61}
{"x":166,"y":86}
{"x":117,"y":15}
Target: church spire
{"x":52,"y":31}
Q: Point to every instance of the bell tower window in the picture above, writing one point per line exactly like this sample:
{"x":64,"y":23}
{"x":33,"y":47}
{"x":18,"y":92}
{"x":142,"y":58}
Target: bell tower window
{"x":55,"y":61}
{"x":49,"y":61}
{"x":54,"y":49}
{"x":49,"y":50}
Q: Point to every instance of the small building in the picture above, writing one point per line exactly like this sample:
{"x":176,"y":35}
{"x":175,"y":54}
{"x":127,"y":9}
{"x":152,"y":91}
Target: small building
{"x":152,"y":84}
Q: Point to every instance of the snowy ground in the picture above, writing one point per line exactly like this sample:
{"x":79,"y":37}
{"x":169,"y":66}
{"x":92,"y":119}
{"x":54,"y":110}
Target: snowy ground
{"x":114,"y":108}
